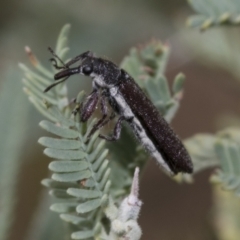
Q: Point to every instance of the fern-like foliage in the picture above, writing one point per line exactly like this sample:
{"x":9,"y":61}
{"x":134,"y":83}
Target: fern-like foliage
{"x":83,"y":181}
{"x":12,"y":132}
{"x":221,"y":151}
{"x":227,"y":148}
{"x":214,"y":12}
{"x":80,"y":175}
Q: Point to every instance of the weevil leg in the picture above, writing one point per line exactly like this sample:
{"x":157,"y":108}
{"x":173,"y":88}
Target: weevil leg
{"x":116,"y":131}
{"x":89,"y":106}
{"x":99,"y":123}
{"x":112,"y":116}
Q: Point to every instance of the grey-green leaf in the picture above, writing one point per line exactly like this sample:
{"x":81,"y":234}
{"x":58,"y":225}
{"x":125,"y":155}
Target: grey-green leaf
{"x":72,"y":219}
{"x":214,"y":13}
{"x":82,"y":235}
{"x":178,"y":83}
{"x":63,"y":207}
{"x":58,"y":130}
{"x":64,"y":154}
{"x":71,"y":177}
{"x":60,"y":185}
{"x":59,"y":193}
{"x":59,"y":143}
{"x":88,"y":206}
{"x":84,"y":193}
{"x":68,"y":166}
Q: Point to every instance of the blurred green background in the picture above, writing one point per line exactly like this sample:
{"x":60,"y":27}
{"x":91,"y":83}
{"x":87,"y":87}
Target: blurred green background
{"x":111,"y":28}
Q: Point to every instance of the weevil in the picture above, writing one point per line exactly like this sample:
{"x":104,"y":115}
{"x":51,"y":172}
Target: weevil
{"x":114,"y":87}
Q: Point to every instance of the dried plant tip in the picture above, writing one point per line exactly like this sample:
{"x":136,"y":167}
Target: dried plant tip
{"x":179,"y":96}
{"x":131,"y":205}
{"x":31,"y":56}
{"x":83,"y":182}
{"x":135,"y":183}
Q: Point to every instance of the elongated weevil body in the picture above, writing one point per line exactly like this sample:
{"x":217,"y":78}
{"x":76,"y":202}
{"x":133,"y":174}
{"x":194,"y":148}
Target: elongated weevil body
{"x":115,"y":86}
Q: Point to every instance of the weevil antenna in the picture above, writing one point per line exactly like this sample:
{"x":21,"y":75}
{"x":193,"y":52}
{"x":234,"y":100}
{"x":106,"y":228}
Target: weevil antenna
{"x":57,"y":57}
{"x":55,"y":83}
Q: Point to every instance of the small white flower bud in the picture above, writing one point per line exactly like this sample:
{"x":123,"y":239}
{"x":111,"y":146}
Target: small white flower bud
{"x":131,"y":205}
{"x":125,"y":226}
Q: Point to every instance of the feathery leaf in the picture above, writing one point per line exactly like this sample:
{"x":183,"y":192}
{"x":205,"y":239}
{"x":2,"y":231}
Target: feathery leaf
{"x":214,"y":12}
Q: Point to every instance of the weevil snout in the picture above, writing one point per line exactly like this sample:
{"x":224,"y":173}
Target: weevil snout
{"x":66,"y":73}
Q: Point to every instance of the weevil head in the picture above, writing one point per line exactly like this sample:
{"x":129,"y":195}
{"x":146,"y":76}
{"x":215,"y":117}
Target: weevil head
{"x":85,"y":67}
{"x":103,"y":72}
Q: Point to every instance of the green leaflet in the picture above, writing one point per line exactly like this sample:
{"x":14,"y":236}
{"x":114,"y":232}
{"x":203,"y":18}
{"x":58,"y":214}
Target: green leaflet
{"x":60,"y":185}
{"x":89,"y":206}
{"x":228,"y":153}
{"x":72,"y":219}
{"x":58,"y":130}
{"x":201,"y":149}
{"x":72,"y":176}
{"x":178,"y":84}
{"x":83,"y":193}
{"x":82,"y":235}
{"x":100,"y":159}
{"x":158,"y":88}
{"x":59,"y":193}
{"x":105,"y":178}
{"x":222,"y":150}
{"x":68,"y":166}
{"x":214,"y":12}
{"x":64,"y":154}
{"x":59,"y":143}
{"x":89,"y":183}
{"x":102,"y":170}
{"x":63,"y":207}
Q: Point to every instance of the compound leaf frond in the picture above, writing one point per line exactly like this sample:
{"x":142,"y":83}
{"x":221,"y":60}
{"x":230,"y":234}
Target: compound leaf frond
{"x":214,"y":12}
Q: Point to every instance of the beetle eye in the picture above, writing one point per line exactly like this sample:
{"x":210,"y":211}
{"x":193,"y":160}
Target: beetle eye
{"x":87,"y":70}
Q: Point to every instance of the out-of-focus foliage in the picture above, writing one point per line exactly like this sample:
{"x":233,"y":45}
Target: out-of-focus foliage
{"x":14,"y":112}
{"x":214,"y":12}
{"x":227,"y":148}
{"x":220,"y":150}
{"x":226,"y":214}
{"x":218,"y":47}
{"x":201,"y":149}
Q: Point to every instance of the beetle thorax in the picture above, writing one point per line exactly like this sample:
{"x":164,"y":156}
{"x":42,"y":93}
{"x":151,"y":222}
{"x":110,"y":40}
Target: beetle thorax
{"x":99,"y":81}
